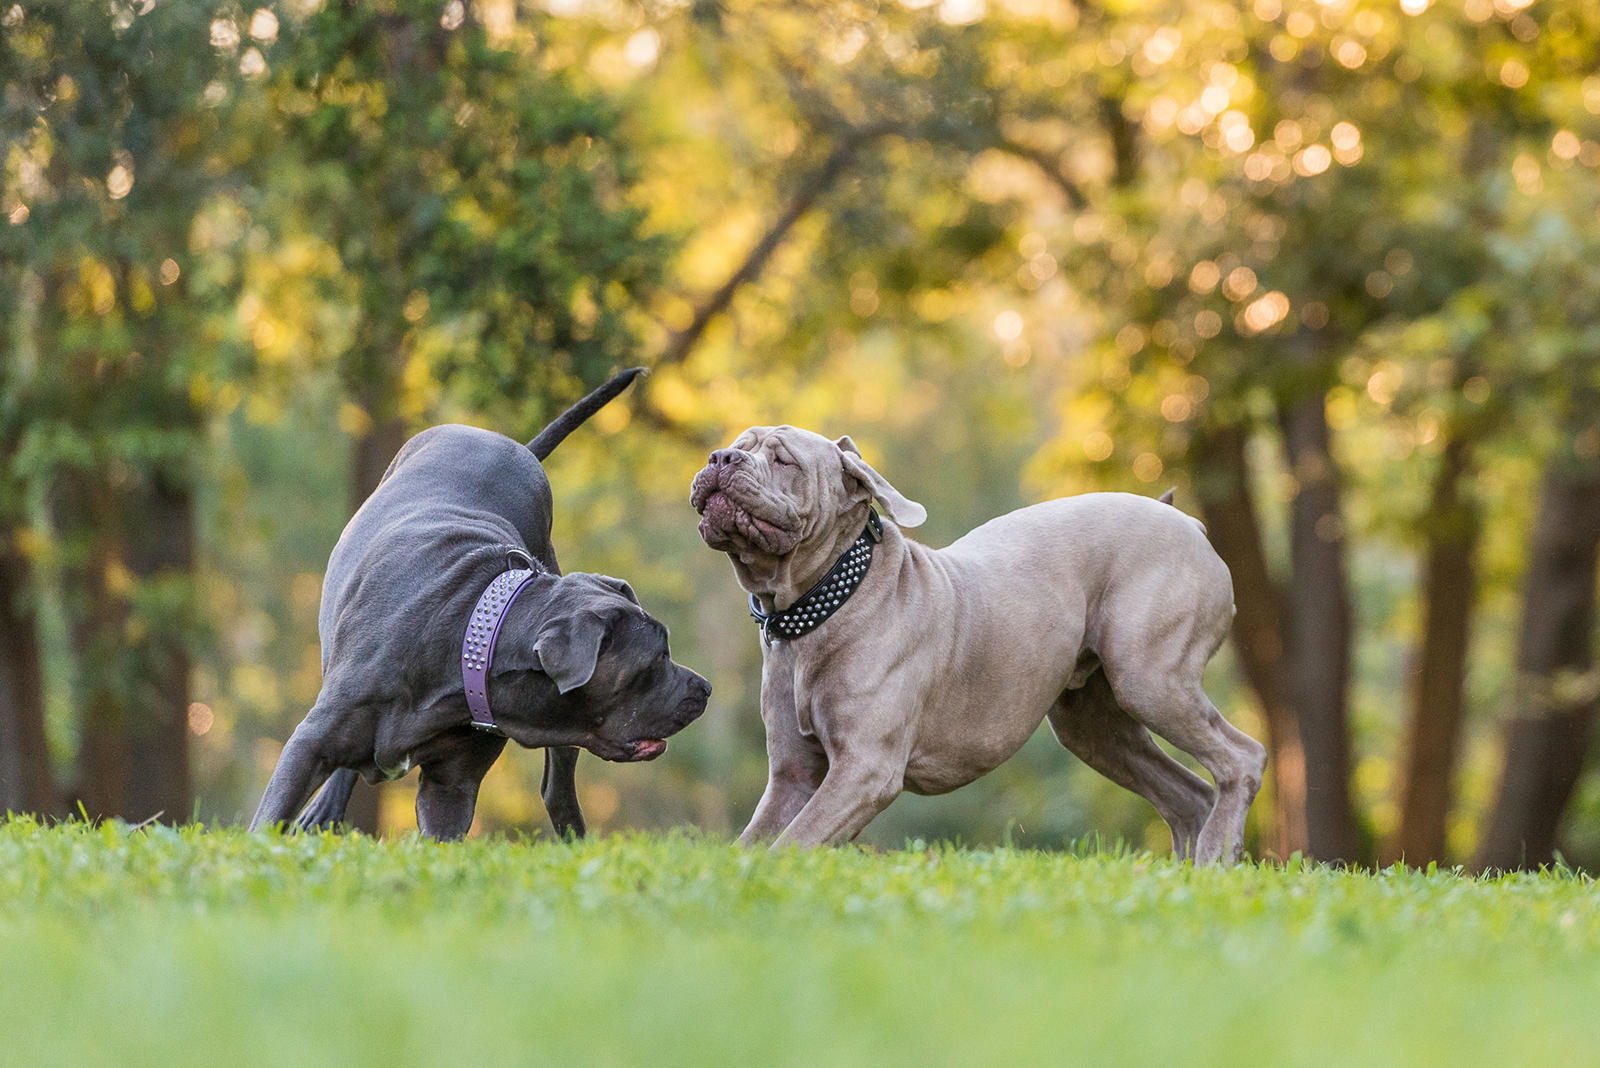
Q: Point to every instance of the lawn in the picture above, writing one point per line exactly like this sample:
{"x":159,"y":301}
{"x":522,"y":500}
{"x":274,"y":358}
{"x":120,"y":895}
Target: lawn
{"x":191,"y":947}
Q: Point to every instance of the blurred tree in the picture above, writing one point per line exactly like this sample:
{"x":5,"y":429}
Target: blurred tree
{"x":480,"y":207}
{"x":112,"y":156}
{"x":26,"y":779}
{"x":1550,"y":285}
{"x":877,"y":132}
{"x":1547,"y":738}
{"x":1307,"y":176}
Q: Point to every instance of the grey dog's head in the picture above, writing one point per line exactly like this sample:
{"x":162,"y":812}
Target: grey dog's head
{"x":779,"y":490}
{"x":596,"y":667}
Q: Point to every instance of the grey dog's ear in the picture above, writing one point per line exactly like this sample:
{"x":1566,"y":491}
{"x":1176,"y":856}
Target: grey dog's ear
{"x":901,"y":509}
{"x":620,"y":586}
{"x":567,"y":649}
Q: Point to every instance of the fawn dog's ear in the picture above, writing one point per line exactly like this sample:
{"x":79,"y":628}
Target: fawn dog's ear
{"x":900,"y":508}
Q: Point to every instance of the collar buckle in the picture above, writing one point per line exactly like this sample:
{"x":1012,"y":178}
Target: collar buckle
{"x":763,"y":620}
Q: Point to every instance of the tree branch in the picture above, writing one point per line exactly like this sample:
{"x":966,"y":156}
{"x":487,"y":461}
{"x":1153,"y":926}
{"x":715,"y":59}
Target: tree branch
{"x":1051,"y":167}
{"x":805,"y":197}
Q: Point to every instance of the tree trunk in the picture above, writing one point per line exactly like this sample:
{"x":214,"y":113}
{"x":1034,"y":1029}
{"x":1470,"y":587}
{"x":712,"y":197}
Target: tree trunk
{"x":370,"y":458}
{"x":1223,"y":483}
{"x":1548,"y":736}
{"x":103,"y":716}
{"x":1449,"y":588}
{"x":134,"y":748}
{"x":26,"y":782}
{"x":161,"y":551}
{"x":25,"y":779}
{"x":1318,"y":664}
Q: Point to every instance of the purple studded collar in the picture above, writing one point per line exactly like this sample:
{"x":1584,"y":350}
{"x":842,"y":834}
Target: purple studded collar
{"x":483,"y":628}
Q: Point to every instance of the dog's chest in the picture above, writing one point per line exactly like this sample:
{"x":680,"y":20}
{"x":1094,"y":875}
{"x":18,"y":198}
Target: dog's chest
{"x":397,"y":771}
{"x":940,"y":762}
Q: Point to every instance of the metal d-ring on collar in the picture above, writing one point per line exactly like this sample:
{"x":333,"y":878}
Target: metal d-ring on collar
{"x":483,"y":628}
{"x":826,"y":597}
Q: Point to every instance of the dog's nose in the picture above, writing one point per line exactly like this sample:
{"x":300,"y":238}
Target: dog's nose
{"x":728,"y":457}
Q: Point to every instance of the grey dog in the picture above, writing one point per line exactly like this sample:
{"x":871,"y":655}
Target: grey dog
{"x":577,"y":664}
{"x":930,"y":668}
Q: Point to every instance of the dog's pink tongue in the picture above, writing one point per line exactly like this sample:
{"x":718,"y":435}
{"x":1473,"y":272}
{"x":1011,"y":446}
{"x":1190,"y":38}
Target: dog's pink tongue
{"x":649,"y":748}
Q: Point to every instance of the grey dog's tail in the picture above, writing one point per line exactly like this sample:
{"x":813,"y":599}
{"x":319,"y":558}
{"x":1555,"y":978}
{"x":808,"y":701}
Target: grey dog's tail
{"x":574,"y":417}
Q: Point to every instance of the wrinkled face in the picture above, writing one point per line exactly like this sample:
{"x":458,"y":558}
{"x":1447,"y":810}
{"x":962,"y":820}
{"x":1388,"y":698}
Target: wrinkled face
{"x":617,"y":691}
{"x":777,"y":488}
{"x":773,"y":488}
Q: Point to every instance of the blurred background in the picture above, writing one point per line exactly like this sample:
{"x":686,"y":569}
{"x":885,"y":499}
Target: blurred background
{"x":1332,"y":269}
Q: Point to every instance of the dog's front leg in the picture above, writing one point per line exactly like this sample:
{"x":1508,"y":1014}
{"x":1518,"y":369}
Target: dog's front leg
{"x":327,"y":809}
{"x":850,"y":797}
{"x":447,"y":794}
{"x":302,"y":768}
{"x":866,"y":732}
{"x":791,"y":783}
{"x":559,"y":789}
{"x":796,"y":763}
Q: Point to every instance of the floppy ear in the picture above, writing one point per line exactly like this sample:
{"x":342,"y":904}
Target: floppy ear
{"x":902,"y":510}
{"x":620,"y":586}
{"x":567,"y":649}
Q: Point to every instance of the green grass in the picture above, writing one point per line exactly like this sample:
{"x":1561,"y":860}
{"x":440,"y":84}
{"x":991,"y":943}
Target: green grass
{"x":171,"y":948}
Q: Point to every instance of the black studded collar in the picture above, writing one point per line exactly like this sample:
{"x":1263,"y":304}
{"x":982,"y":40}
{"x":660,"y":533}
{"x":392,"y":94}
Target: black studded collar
{"x":826,"y":597}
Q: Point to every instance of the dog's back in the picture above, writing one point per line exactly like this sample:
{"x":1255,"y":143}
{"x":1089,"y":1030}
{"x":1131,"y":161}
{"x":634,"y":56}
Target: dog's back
{"x":466,"y":469}
{"x":450,"y":493}
{"x":453,"y":493}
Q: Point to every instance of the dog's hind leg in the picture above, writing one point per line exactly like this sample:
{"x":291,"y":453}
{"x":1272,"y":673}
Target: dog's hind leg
{"x":559,"y":789}
{"x":447,"y":794}
{"x":327,"y":809}
{"x":1089,"y":722}
{"x":302,"y":767}
{"x":1172,"y":704}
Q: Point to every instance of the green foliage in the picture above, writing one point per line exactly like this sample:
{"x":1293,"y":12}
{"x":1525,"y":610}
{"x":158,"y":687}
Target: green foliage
{"x":679,"y":950}
{"x":115,"y":324}
{"x":110,"y":160}
{"x":479,"y":207}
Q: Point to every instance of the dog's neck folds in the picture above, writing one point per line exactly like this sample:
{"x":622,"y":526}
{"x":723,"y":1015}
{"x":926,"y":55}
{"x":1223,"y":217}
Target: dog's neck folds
{"x":827,"y":595}
{"x":778,"y":582}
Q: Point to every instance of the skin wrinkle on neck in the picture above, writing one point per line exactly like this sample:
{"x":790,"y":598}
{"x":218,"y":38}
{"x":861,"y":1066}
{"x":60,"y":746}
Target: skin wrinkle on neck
{"x":785,"y":589}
